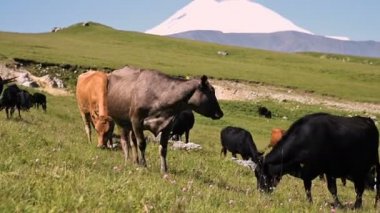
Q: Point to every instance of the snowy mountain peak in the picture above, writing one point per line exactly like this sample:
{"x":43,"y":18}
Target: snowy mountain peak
{"x":227,"y":16}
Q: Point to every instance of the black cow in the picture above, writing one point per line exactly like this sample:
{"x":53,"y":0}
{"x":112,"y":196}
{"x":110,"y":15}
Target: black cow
{"x":324,"y":144}
{"x":39,"y":99}
{"x":9,"y":100}
{"x":239,"y":141}
{"x":263,"y":111}
{"x":24,"y":100}
{"x":182,"y":123}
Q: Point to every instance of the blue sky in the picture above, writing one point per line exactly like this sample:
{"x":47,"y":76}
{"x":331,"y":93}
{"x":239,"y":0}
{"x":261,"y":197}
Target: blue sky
{"x":358,"y":20}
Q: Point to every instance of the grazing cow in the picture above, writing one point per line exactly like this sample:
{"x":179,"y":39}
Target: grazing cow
{"x":324,"y":144}
{"x":9,"y":100}
{"x":91,"y":94}
{"x":39,"y":99}
{"x":263,"y":111}
{"x":182,"y":123}
{"x":239,"y":141}
{"x":276,"y":135}
{"x":149,"y":100}
{"x":24,"y":100}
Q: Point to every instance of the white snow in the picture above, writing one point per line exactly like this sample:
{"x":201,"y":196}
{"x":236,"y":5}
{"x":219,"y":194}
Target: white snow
{"x":227,"y":16}
{"x":343,"y":38}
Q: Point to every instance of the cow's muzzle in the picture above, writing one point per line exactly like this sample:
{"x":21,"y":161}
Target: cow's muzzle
{"x":217,"y":115}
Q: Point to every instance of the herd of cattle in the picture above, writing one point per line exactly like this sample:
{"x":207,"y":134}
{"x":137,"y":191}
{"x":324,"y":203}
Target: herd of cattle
{"x":135,"y":100}
{"x":15,"y":98}
{"x":317,"y":144}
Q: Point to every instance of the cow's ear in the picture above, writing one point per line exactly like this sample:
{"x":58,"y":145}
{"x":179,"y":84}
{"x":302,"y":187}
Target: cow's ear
{"x":204,"y":80}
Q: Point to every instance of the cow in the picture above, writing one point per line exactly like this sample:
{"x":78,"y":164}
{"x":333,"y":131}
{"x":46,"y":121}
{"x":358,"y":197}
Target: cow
{"x":322,"y":143}
{"x":24,"y":100}
{"x":276,"y":135}
{"x":39,"y":99}
{"x":91,"y":95}
{"x":238,"y":141}
{"x":182,"y":123}
{"x":140,"y":99}
{"x":9,"y":100}
{"x":263,"y":111}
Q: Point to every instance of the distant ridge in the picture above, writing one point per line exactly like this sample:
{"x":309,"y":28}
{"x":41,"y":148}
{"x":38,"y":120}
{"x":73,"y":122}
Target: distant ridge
{"x":289,"y":41}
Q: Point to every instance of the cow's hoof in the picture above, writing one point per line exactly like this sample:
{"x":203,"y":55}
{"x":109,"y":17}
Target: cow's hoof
{"x":337,"y":205}
{"x":101,"y":146}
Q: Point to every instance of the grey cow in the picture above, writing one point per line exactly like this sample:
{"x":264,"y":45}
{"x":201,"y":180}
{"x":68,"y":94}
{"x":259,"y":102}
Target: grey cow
{"x":141,"y":100}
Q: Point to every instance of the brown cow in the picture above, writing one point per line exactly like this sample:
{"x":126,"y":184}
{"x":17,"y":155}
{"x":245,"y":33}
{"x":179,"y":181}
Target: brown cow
{"x":276,"y":136}
{"x":149,"y":100}
{"x":91,"y":94}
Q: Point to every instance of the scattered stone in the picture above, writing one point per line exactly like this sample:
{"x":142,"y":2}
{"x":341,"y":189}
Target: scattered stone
{"x":186,"y":146}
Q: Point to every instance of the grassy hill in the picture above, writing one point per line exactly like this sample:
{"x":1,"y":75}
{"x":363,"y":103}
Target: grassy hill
{"x":351,"y":78}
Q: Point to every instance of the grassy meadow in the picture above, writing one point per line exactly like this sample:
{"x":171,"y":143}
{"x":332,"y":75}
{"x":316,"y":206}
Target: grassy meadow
{"x":47,"y":165}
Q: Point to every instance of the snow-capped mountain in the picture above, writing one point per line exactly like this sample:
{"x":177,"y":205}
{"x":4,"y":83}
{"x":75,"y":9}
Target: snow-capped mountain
{"x":248,"y":24}
{"x":226,"y":16}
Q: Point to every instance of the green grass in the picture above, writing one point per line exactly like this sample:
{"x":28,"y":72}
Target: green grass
{"x":46,"y":165}
{"x":99,"y":46}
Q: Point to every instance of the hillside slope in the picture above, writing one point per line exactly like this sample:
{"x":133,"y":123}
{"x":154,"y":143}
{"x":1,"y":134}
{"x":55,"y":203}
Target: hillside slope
{"x":99,"y":46}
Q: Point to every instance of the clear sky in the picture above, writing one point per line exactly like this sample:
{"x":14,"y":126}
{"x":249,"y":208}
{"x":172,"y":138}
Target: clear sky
{"x":356,"y":19}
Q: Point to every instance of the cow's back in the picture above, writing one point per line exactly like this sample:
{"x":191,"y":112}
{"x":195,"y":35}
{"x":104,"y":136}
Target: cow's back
{"x":121,"y":85}
{"x":91,"y":92}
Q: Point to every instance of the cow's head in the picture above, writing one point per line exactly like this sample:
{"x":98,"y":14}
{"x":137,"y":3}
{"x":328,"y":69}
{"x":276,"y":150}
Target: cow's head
{"x":265,"y":181}
{"x":204,"y":101}
{"x":104,"y":127}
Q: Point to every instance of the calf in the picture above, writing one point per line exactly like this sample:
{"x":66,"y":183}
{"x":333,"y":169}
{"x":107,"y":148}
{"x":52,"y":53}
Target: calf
{"x":263,"y":111}
{"x":321,"y":143}
{"x":182,"y":123}
{"x":91,"y":94}
{"x":238,"y":141}
{"x":39,"y":99}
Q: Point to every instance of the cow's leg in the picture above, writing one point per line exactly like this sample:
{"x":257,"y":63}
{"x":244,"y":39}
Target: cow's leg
{"x":133,"y":145}
{"x":331,"y":185}
{"x":124,"y":141}
{"x":344,"y":181}
{"x":87,"y":122}
{"x":187,"y":135}
{"x":139,"y":134}
{"x":307,"y":185}
{"x":12,"y":111}
{"x":163,"y":150}
{"x":223,"y":151}
{"x":377,"y":183}
{"x":7,"y":112}
{"x":359,"y":189}
{"x":19,"y":113}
